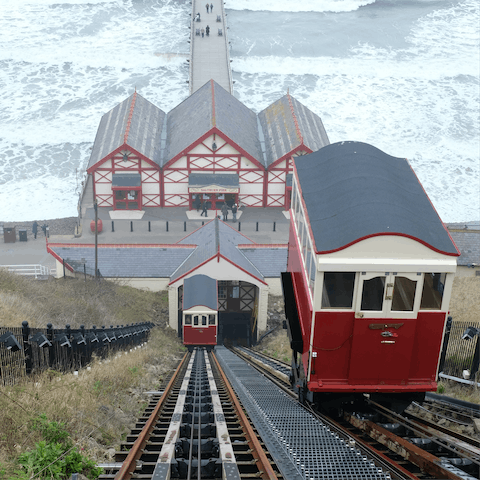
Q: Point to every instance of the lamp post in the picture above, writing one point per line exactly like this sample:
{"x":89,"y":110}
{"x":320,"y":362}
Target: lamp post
{"x":95,"y":206}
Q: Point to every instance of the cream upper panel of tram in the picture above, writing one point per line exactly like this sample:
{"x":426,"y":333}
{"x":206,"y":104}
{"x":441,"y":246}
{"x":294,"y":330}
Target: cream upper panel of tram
{"x":390,"y":252}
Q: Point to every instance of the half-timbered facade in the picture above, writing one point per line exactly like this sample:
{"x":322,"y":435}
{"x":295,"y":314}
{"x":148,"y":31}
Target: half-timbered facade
{"x":211,"y":148}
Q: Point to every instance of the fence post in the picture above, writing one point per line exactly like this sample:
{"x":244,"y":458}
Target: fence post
{"x":446,"y":337}
{"x":167,"y":226}
{"x":68,"y":333}
{"x":113,"y":226}
{"x":476,"y":360}
{"x":257,"y":227}
{"x":274,"y":226}
{"x":239,"y":226}
{"x":131,"y":226}
{"x":27,"y":347}
{"x":51,"y":350}
{"x":149,"y":229}
{"x":84,"y":347}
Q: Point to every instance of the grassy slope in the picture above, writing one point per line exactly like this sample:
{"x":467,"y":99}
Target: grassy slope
{"x":99,"y":406}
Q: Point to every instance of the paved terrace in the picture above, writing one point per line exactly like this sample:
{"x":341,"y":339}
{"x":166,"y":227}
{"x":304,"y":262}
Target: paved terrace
{"x":180,"y":223}
{"x":209,"y":55}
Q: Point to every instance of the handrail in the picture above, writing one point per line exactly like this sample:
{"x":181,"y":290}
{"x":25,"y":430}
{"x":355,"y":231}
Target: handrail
{"x":35,"y":270}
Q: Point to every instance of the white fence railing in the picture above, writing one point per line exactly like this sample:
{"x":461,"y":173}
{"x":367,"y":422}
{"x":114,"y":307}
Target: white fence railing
{"x":30,"y":270}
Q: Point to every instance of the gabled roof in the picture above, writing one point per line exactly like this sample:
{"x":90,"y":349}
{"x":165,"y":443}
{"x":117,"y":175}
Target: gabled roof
{"x":211,"y":106}
{"x":287,"y":124}
{"x":353,"y":191}
{"x":468,"y":242}
{"x":123,"y":261}
{"x":200,"y":290}
{"x":270,"y":260}
{"x":135,"y":123}
{"x":213,"y":239}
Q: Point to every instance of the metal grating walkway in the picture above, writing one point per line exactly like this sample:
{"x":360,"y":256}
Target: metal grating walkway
{"x":302,"y":446}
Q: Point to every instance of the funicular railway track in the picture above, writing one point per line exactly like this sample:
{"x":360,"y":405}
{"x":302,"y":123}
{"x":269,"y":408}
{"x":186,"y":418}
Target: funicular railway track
{"x":405,"y":445}
{"x":194,"y":429}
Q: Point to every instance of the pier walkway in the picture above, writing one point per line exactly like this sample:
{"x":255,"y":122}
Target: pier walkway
{"x":209,"y":55}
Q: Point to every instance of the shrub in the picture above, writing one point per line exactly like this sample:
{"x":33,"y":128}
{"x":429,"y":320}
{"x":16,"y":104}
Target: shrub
{"x":55,"y":457}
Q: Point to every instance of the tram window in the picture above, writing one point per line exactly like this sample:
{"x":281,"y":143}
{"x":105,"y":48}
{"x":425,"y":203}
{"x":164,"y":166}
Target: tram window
{"x":432,"y":294}
{"x":338,"y":289}
{"x":403,"y":294}
{"x":204,"y":320}
{"x":195,"y":320}
{"x":372,"y":294}
{"x":188,"y":319}
{"x":211,"y":319}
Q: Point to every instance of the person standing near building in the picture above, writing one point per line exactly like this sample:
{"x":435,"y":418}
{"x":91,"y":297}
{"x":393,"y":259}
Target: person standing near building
{"x":234,"y":212}
{"x":35,"y":229}
{"x":44,"y":228}
{"x":204,"y":209}
{"x":225,"y":212}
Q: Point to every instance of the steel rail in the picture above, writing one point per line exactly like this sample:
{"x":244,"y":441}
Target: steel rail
{"x":465,"y":449}
{"x":128,"y":467}
{"x":266,"y":470}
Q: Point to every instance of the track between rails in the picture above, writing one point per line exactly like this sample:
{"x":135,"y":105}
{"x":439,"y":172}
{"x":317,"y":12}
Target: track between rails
{"x":195,"y":429}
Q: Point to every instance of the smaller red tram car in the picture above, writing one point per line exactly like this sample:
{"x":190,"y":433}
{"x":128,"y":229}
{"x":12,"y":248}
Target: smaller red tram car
{"x":370,"y":272}
{"x":200,"y":311}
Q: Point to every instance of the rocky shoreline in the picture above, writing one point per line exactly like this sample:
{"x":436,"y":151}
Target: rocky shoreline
{"x":56,"y":226}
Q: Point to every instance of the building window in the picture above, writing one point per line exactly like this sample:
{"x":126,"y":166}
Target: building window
{"x":211,"y":319}
{"x":432,"y":294}
{"x":204,"y":320}
{"x":188,"y":319}
{"x":338,"y":289}
{"x":372,"y":294}
{"x":403,"y":294}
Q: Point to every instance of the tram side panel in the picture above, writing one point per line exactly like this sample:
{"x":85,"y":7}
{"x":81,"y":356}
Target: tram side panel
{"x":200,"y":329}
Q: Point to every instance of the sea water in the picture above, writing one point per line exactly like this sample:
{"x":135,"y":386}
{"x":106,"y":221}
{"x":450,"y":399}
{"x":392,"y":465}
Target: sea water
{"x":402,"y":76}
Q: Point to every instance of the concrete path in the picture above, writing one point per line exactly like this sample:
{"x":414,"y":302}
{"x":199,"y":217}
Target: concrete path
{"x":209,"y":55}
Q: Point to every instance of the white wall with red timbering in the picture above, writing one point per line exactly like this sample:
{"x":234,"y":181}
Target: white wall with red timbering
{"x":150,"y":176}
{"x":225,"y":159}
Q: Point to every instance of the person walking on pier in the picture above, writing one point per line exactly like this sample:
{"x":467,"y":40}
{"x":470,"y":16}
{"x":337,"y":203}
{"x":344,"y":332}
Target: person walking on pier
{"x":208,"y":6}
{"x":203,"y":32}
{"x":234,"y":212}
{"x":197,"y":18}
{"x":207,"y":30}
{"x":211,"y":8}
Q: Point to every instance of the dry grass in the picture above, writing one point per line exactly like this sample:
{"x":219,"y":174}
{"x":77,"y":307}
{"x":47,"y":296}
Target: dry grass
{"x":98,"y":407}
{"x":75,"y":302}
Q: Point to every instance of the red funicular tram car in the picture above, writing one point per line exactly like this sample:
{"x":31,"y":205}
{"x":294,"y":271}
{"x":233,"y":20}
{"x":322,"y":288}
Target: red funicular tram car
{"x":200,"y":311}
{"x":370,"y":272}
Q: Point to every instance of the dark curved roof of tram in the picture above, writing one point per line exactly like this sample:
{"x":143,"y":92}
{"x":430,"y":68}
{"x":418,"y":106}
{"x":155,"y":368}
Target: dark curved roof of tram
{"x":200,"y":290}
{"x":353,"y":190}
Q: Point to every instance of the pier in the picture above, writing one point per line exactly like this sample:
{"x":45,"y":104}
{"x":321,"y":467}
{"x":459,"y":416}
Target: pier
{"x":209,"y":55}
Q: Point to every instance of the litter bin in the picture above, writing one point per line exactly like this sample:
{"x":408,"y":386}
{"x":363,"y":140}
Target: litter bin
{"x":9,"y":235}
{"x":22,"y":234}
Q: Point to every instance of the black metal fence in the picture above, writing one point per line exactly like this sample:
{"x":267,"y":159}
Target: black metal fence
{"x":25,"y":351}
{"x":461,"y":351}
